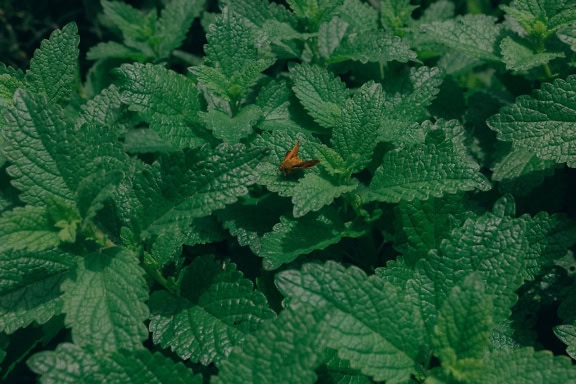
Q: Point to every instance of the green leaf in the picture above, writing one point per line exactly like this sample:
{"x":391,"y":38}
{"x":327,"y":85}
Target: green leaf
{"x":284,"y":351}
{"x":359,"y":15}
{"x":474,"y":35}
{"x":174,"y":23}
{"x":30,"y":287}
{"x":105,"y":109}
{"x":258,"y":12}
{"x":237,"y":56}
{"x":424,"y":170}
{"x":518,"y":57}
{"x":27,"y":229}
{"x":464,"y":328}
{"x":94,"y":190}
{"x":232,"y":129}
{"x":167,"y":100}
{"x":274,"y":100}
{"x":139,"y":367}
{"x":396,"y":14}
{"x":291,"y":238}
{"x":373,"y":324}
{"x":314,"y":192}
{"x":54,"y":67}
{"x":315,"y":12}
{"x":200,"y":183}
{"x":321,"y":93}
{"x":372,"y":46}
{"x":330,"y":36}
{"x":218,"y":308}
{"x":114,"y":50}
{"x":354,"y":137}
{"x":36,"y":144}
{"x":524,"y":365}
{"x":494,"y":246}
{"x":567,"y":334}
{"x":520,"y":171}
{"x":542,"y":124}
{"x":104,"y":301}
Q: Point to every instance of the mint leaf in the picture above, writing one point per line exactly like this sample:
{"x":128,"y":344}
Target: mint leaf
{"x":473,"y":35}
{"x":291,"y":238}
{"x":542,"y":124}
{"x":139,"y":366}
{"x":371,"y":323}
{"x":286,"y":350}
{"x":423,"y":170}
{"x":321,"y":94}
{"x":359,"y":15}
{"x":354,"y":138}
{"x":314,"y":192}
{"x":27,"y":229}
{"x":218,"y":308}
{"x":518,"y":57}
{"x":200,"y":182}
{"x":30,"y":286}
{"x":104,"y":301}
{"x":35,"y":143}
{"x":313,"y":12}
{"x":236,"y":55}
{"x":520,"y":171}
{"x":54,"y":67}
{"x":463,"y":329}
{"x":330,"y":36}
{"x":275,"y":102}
{"x":167,"y":100}
{"x":174,"y":23}
{"x":372,"y":46}
{"x":231,"y":129}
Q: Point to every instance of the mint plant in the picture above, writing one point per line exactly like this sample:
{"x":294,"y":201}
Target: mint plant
{"x":148,"y":235}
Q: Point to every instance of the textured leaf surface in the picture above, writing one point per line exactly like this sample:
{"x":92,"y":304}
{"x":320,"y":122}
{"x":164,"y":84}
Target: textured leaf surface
{"x":71,"y":364}
{"x":291,"y":238}
{"x":54,"y":67}
{"x":314,"y":192}
{"x":464,"y":324}
{"x":284,"y":351}
{"x":518,"y":57}
{"x":174,"y":23}
{"x":473,"y":35}
{"x":27,"y":228}
{"x":354,"y":138}
{"x":421,"y":171}
{"x":322,"y":94}
{"x":372,"y":46}
{"x":217,"y":309}
{"x":372,"y":324}
{"x":208,"y":180}
{"x":104,"y":302}
{"x":169,"y":101}
{"x":543,"y":124}
{"x":30,"y":287}
{"x":232,"y":129}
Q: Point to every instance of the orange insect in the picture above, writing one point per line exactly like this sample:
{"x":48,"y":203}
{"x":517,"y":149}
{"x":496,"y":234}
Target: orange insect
{"x":293,"y":163}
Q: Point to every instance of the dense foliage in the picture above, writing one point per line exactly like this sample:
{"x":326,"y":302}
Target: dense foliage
{"x":147,"y":234}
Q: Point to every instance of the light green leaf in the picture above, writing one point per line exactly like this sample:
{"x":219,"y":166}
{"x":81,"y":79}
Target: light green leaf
{"x":69,"y":363}
{"x":174,"y":23}
{"x":321,"y":93}
{"x":354,"y":137}
{"x":104,"y":301}
{"x":474,"y":35}
{"x":218,"y":308}
{"x":520,"y":58}
{"x":359,"y":15}
{"x":54,"y":67}
{"x":315,"y":12}
{"x":169,"y":101}
{"x":27,"y":229}
{"x":373,"y":324}
{"x":314,"y":192}
{"x":258,"y":12}
{"x":30,"y":287}
{"x":284,"y":351}
{"x":424,"y":170}
{"x":543,"y":124}
{"x":232,"y":129}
